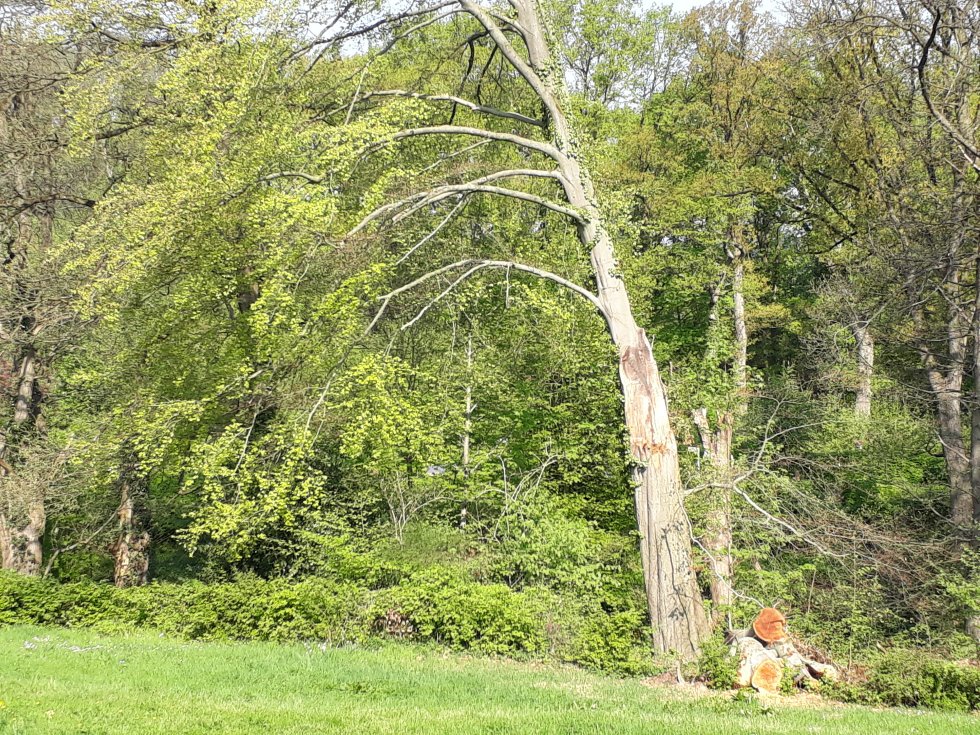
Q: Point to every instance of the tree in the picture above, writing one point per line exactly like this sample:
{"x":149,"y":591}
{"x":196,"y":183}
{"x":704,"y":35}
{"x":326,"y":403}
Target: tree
{"x":673,"y":595}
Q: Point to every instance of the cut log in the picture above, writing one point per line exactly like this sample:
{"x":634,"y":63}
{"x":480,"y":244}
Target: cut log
{"x":770,"y":625}
{"x":767,"y":677}
{"x":785,"y":649}
{"x":823,"y":671}
{"x":752,"y":656}
{"x":734,"y":636}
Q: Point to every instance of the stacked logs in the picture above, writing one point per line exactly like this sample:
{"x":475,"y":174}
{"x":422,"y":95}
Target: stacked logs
{"x":766,"y":654}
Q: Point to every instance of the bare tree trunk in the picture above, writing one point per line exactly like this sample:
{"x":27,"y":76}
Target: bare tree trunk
{"x":131,"y":550}
{"x":673,"y":596}
{"x":468,"y":408}
{"x":865,"y":368}
{"x":737,"y":259}
{"x":948,"y":389}
{"x":945,"y":377}
{"x":957,"y":460}
{"x":717,"y":440}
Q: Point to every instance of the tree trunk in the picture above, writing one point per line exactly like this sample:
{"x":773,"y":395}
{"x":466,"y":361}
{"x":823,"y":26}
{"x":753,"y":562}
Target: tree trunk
{"x":957,"y":461}
{"x":717,"y":441}
{"x":975,"y":413}
{"x":947,"y":385}
{"x":865,"y":368}
{"x":673,"y":596}
{"x":21,"y":548}
{"x":736,"y":258}
{"x":468,"y":408}
{"x":717,"y":540}
{"x":131,"y":550}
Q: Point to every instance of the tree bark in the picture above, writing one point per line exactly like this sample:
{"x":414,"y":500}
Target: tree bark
{"x":21,"y":548}
{"x":865,"y":350}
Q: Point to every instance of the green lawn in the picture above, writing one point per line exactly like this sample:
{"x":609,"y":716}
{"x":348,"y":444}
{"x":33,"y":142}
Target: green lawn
{"x":60,"y":681}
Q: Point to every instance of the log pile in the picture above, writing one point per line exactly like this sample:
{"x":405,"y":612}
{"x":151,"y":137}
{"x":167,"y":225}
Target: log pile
{"x":766,"y":655}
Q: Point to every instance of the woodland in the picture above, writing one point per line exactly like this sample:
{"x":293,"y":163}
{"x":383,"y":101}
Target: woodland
{"x":578,"y":329}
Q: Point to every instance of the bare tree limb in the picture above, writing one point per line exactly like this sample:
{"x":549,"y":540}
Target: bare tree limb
{"x":474,"y":266}
{"x":484,"y":109}
{"x":546,"y":148}
{"x":418,"y":201}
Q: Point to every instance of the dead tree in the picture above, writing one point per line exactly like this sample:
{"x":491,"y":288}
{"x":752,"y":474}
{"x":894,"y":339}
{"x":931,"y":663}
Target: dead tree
{"x":520,"y":35}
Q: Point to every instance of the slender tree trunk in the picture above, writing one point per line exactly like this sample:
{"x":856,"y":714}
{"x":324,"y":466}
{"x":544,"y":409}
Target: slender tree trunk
{"x":975,"y":413}
{"x":673,"y":596}
{"x":737,"y":258}
{"x":717,"y":444}
{"x":865,"y":367}
{"x":717,"y":440}
{"x":468,"y":408}
{"x":957,"y":460}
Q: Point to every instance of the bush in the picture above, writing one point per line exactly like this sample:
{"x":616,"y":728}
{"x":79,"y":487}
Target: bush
{"x":909,"y":678}
{"x":717,"y":667}
{"x":442,"y":605}
{"x":247,"y":609}
{"x":445,"y":606}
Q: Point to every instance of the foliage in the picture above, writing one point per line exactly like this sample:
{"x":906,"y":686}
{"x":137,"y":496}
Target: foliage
{"x":444,"y":606}
{"x":717,"y":667}
{"x":908,"y":678}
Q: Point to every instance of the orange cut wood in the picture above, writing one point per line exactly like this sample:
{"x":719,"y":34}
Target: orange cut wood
{"x":767,"y":676}
{"x":770,"y":625}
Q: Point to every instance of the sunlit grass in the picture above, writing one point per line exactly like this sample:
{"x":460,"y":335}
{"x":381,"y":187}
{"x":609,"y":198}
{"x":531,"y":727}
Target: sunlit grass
{"x":60,"y":681}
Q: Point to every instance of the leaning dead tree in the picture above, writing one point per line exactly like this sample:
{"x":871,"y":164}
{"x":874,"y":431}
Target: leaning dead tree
{"x":519,"y":34}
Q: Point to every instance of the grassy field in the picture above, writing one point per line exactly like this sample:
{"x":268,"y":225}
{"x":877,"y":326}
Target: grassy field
{"x":59,"y":681}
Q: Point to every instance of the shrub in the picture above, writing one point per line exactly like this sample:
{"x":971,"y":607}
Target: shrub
{"x":445,"y":606}
{"x":909,"y":678}
{"x":717,"y":667}
{"x":618,"y":641}
{"x":246,"y":609}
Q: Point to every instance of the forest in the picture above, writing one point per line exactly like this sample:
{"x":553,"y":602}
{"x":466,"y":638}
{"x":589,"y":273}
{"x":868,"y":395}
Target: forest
{"x":569,"y":329}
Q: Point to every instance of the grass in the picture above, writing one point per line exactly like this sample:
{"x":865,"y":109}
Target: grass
{"x":67,"y":681}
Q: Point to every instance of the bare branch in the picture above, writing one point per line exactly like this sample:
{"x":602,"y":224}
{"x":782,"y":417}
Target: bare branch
{"x":474,"y":266}
{"x":510,"y":53}
{"x":293,"y":175}
{"x":484,"y":109}
{"x":780,"y":522}
{"x":546,"y":148}
{"x":433,"y":196}
{"x":434,"y":232}
{"x":969,"y":149}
